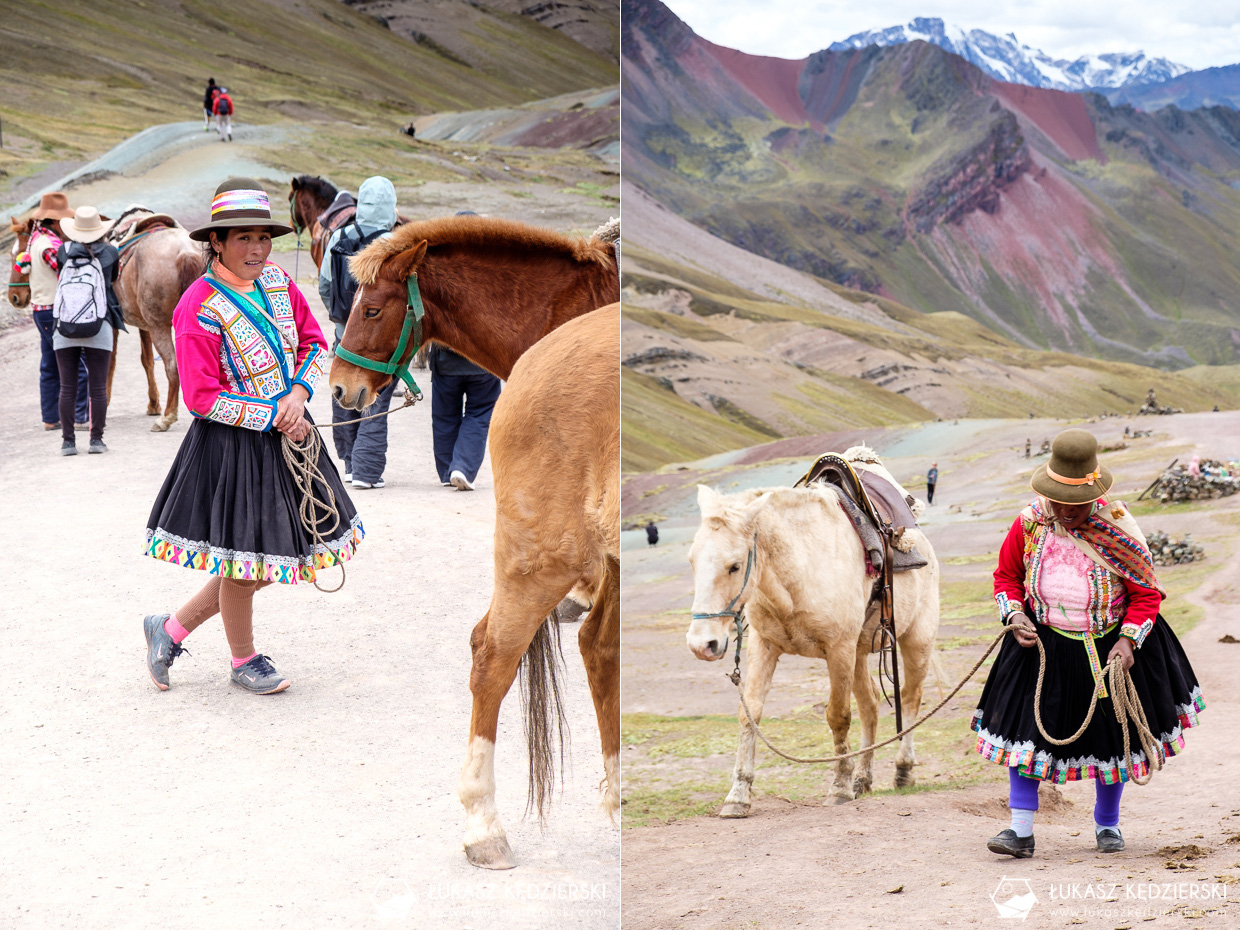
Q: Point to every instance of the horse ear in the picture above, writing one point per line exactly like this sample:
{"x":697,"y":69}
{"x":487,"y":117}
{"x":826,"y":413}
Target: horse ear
{"x":749,"y":513}
{"x":707,"y":499}
{"x":405,"y":263}
{"x":296,"y":185}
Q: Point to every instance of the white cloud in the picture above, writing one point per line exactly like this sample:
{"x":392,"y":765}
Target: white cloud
{"x":1199,"y":33}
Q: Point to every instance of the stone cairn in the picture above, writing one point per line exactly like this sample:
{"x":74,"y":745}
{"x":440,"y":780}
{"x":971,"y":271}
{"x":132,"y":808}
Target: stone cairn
{"x":1167,"y":551}
{"x":1217,"y":479}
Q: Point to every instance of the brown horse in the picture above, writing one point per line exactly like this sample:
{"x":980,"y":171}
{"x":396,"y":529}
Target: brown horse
{"x":19,"y":281}
{"x":308,"y":197}
{"x":492,"y":289}
{"x":158,"y":262}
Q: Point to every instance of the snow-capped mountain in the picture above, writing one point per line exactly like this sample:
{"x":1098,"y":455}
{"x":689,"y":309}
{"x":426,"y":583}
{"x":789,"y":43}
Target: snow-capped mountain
{"x":1005,"y":58}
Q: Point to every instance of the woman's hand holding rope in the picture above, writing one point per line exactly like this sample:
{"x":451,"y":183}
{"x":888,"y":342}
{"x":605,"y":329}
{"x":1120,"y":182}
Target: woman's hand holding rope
{"x":290,"y":414}
{"x":1027,"y":635}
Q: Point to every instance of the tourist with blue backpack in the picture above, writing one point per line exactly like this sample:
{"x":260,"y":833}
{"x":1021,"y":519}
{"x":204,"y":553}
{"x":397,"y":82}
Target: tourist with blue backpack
{"x":87,"y":313}
{"x":361,"y":444}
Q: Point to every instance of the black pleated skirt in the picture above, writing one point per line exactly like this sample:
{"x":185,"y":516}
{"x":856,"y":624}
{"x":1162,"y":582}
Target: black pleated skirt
{"x":1008,"y":734}
{"x":229,"y":506}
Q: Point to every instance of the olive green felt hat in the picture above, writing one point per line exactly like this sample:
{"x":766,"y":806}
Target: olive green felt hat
{"x":1073,"y":475}
{"x":239,"y":202}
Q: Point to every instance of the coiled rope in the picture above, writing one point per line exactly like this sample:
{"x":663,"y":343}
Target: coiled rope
{"x":302,"y":459}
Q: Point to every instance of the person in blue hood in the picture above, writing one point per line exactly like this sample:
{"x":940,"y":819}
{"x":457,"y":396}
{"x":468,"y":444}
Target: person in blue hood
{"x":361,"y":446}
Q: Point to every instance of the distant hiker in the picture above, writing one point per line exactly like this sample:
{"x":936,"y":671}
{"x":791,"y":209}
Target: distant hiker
{"x":44,"y":244}
{"x":87,"y":311}
{"x":462,"y":399}
{"x":1216,"y":408}
{"x":361,"y":446}
{"x":652,"y":534}
{"x":1126,"y":432}
{"x":223,"y":114}
{"x":1151,"y":400}
{"x":250,"y":354}
{"x":1029,"y":446}
{"x":208,"y":104}
{"x":1194,"y":466}
{"x":932,"y":478}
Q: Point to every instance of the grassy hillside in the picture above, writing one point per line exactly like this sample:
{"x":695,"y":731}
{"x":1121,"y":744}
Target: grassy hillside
{"x":737,"y":369}
{"x":80,"y":76}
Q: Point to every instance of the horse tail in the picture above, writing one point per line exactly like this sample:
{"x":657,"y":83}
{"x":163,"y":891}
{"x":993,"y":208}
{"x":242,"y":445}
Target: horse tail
{"x":543,"y":707}
{"x":189,"y":269}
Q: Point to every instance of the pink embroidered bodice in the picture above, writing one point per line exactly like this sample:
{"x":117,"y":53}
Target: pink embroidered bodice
{"x":1072,"y":587}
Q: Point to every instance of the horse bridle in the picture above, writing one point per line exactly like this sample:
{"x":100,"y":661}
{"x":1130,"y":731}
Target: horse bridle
{"x":412,"y":326}
{"x":731,"y":611}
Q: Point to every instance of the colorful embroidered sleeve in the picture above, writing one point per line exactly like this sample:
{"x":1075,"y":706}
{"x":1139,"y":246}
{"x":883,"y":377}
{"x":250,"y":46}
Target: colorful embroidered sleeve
{"x":1010,"y":573}
{"x":1143,"y":605}
{"x":312,"y":347}
{"x":204,"y":384}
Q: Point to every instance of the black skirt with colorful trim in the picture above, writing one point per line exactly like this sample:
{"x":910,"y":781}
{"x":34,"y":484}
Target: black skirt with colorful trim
{"x":229,"y":506}
{"x":1008,"y":734}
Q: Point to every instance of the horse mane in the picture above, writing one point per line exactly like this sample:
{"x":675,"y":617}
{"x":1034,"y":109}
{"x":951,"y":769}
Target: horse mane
{"x":501,"y":234}
{"x":320,"y":187}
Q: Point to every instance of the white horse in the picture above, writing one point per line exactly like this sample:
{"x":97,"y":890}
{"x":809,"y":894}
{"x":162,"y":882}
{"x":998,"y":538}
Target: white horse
{"x":807,"y":593}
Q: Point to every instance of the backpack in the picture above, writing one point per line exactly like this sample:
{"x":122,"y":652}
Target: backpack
{"x":344,"y":286}
{"x":223,"y":105}
{"x":81,"y":296}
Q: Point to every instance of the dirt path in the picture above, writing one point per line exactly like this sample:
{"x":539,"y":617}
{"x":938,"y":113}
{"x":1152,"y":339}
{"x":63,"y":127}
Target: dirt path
{"x":330,"y":804}
{"x":918,"y":859}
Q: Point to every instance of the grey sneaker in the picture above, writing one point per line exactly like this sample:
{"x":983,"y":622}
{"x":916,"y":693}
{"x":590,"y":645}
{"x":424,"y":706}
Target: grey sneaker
{"x":260,"y":676}
{"x":68,"y":448}
{"x":96,"y":447}
{"x":160,"y":649}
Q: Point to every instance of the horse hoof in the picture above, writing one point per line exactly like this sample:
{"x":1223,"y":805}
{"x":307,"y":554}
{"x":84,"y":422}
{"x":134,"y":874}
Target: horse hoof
{"x":905,"y":779}
{"x":153,"y":411}
{"x":159,"y":426}
{"x":492,"y":853}
{"x":861,"y":787}
{"x":837,"y":799}
{"x":734,"y":811}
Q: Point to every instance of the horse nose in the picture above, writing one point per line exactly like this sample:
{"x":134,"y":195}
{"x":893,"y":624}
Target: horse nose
{"x":338,"y":392}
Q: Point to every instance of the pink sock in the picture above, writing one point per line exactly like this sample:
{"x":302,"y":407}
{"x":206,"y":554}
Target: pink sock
{"x":237,"y":663}
{"x":172,"y":626}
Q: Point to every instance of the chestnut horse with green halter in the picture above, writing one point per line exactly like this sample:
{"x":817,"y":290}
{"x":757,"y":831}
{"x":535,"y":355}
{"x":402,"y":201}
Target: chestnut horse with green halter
{"x":491,"y":289}
{"x":19,"y":281}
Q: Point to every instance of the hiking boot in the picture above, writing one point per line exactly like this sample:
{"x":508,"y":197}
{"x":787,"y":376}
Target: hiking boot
{"x":364,"y":485}
{"x":460,"y":482}
{"x":259,"y":676}
{"x":68,"y":448}
{"x":97,"y":447}
{"x":160,"y":649}
{"x":1110,"y":840}
{"x":1008,"y":843}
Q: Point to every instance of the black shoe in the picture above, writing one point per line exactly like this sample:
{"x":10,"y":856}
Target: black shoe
{"x":97,"y":447}
{"x":68,"y":448}
{"x":1110,"y":840}
{"x":1008,"y":843}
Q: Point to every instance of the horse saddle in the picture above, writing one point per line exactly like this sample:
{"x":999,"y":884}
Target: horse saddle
{"x":339,"y":212}
{"x":874,"y":506}
{"x":133,"y":225}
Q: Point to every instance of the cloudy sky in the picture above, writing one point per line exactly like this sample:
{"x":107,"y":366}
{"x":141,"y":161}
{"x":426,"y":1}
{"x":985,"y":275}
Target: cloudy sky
{"x":1196,"y":33}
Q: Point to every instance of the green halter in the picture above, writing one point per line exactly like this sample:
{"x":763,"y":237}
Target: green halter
{"x":412,"y":326}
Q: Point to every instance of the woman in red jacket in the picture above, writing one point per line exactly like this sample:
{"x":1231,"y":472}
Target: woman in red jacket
{"x":250,"y":355}
{"x":1076,"y":574}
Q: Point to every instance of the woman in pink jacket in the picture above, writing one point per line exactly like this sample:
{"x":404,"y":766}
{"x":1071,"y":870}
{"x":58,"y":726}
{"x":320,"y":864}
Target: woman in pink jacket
{"x":250,"y":355}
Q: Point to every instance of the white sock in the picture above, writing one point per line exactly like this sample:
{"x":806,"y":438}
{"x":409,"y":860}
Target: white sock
{"x":1099,"y":827}
{"x":1022,"y":822}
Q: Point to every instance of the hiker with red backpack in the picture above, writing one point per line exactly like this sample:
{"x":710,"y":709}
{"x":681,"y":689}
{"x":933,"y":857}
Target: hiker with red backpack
{"x":223,"y":114}
{"x":87,"y":313}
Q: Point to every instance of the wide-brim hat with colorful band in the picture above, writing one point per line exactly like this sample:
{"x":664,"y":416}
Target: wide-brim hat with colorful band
{"x":1073,"y":475}
{"x":239,"y":202}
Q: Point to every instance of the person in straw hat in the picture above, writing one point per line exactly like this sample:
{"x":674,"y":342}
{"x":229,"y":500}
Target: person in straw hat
{"x":83,"y":234}
{"x":250,"y":355}
{"x":46,"y":238}
{"x":1075,"y":573}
